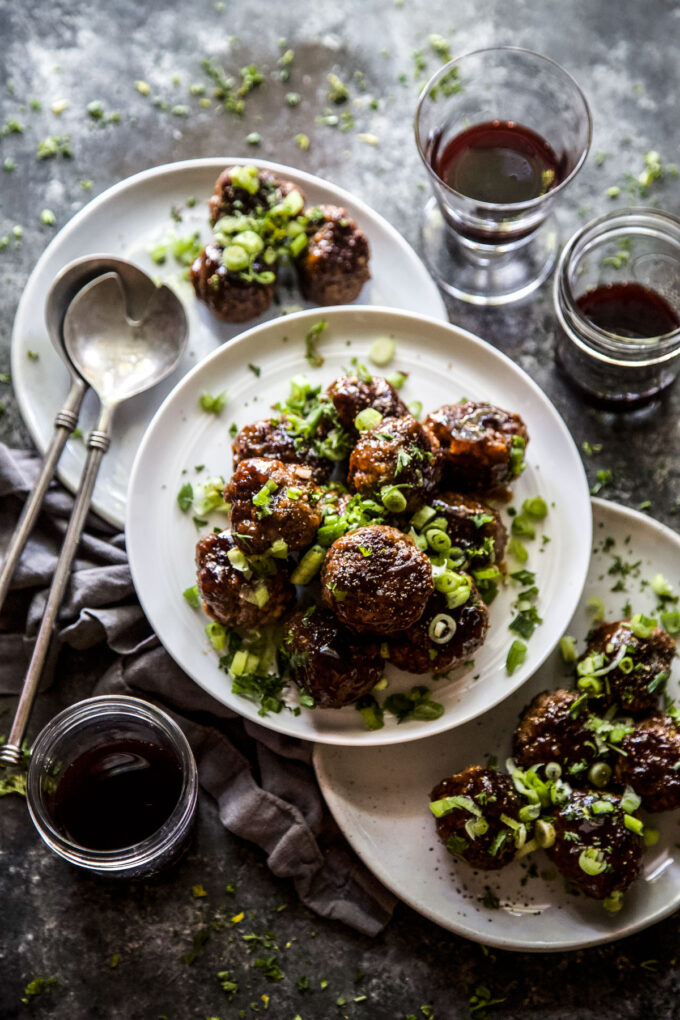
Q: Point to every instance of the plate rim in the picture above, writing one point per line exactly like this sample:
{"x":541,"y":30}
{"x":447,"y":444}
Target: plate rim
{"x":536,"y":946}
{"x":379,"y":737}
{"x":22,"y":389}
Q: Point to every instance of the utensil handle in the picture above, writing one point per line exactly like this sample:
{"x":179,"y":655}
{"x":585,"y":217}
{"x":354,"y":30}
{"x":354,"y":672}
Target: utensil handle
{"x":64,"y":424}
{"x":98,"y":443}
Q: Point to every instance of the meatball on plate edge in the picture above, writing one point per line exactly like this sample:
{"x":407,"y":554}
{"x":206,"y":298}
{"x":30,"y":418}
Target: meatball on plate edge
{"x":380,"y":796}
{"x":549,"y":535}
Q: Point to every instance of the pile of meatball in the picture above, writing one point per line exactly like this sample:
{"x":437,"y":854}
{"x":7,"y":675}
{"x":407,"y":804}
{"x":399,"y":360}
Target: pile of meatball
{"x":584,"y":761}
{"x":331,"y":267}
{"x":337,"y":552}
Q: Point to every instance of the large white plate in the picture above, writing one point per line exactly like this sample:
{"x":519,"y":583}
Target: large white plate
{"x":443,"y":363}
{"x":125,"y":220}
{"x":379,"y":796}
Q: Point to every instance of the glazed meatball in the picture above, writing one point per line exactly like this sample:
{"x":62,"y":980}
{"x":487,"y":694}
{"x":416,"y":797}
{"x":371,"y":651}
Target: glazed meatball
{"x":648,"y":661}
{"x":650,"y":763}
{"x":547,"y":731}
{"x":334,"y":266}
{"x":351,"y":395}
{"x":228,"y":294}
{"x":233,"y":597}
{"x":271,"y":438}
{"x":329,"y":662}
{"x":271,"y":500}
{"x":482,"y":446}
{"x":588,"y":831}
{"x":491,"y":795}
{"x":231,"y":198}
{"x":473,"y":527}
{"x":376,"y":579}
{"x":398,"y":452}
{"x":420,"y":650}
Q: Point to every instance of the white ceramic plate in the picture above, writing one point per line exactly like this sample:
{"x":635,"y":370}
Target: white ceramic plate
{"x":125,"y":221}
{"x":379,"y":796}
{"x":443,"y":363}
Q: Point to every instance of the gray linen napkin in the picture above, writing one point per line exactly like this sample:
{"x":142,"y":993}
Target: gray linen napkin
{"x":262,"y":781}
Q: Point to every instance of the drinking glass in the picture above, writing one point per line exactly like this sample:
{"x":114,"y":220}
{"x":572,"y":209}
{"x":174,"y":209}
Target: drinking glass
{"x":483,"y":252}
{"x":638,"y":246}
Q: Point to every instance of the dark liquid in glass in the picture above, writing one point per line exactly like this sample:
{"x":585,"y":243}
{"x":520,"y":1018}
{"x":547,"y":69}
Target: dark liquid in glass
{"x":629,"y":310}
{"x":499,"y":161}
{"x":117,"y":794}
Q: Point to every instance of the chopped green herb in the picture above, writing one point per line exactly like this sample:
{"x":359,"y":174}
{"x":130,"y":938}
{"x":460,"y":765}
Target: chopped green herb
{"x":312,"y":354}
{"x":604,"y":477}
{"x":255,"y":369}
{"x":227,"y":984}
{"x":185,"y":497}
{"x":36,"y":987}
{"x":269,"y":967}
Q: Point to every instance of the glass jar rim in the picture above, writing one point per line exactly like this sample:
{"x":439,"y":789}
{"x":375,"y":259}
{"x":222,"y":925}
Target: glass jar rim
{"x":530,"y":203}
{"x":138,"y":854}
{"x":600,"y":343}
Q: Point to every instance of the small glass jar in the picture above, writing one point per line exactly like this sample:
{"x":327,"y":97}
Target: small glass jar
{"x":79,"y":731}
{"x":639,"y":247}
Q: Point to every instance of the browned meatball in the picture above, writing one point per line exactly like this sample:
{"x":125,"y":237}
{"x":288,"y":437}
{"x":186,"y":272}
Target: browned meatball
{"x":648,"y":661}
{"x":376,"y":579}
{"x":351,"y":395}
{"x":417,"y":649}
{"x":271,"y":500}
{"x":547,"y":732}
{"x":334,"y":266}
{"x":231,"y":199}
{"x":491,"y":794}
{"x":329,"y":662}
{"x":472,"y":526}
{"x":592,"y":824}
{"x":398,"y":452}
{"x":228,"y":294}
{"x":652,"y":763}
{"x":272,"y":438}
{"x":236,"y":598}
{"x":482,"y":446}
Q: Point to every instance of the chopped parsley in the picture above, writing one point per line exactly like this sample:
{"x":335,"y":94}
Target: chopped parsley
{"x":185,"y":497}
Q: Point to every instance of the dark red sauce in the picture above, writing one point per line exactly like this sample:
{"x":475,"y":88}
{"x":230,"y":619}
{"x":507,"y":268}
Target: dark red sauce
{"x":117,"y":794}
{"x":499,"y":161}
{"x":628,"y":310}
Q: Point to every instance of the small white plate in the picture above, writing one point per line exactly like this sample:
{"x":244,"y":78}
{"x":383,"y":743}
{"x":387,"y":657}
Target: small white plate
{"x":443,"y":363}
{"x":125,"y":220}
{"x":379,"y":796}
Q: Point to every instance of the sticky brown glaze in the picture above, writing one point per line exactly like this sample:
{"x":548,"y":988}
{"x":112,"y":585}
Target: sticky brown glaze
{"x":334,"y":266}
{"x":495,"y":795}
{"x":351,"y":395}
{"x":376,"y":579}
{"x":414,"y":650}
{"x":652,"y":763}
{"x":477,"y":442}
{"x":548,"y":732}
{"x":272,"y":439}
{"x":578,"y":828}
{"x":484,"y":543}
{"x":398,"y":451}
{"x":228,"y":199}
{"x":290,"y":512}
{"x":328,"y":661}
{"x":228,"y":594}
{"x":651,"y":656}
{"x":227,"y":294}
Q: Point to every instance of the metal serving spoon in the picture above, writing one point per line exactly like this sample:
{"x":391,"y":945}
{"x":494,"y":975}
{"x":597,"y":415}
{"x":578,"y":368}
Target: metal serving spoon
{"x":138,"y":290}
{"x":119,"y":358}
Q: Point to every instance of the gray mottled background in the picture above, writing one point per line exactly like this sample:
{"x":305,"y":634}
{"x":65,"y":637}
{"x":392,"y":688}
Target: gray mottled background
{"x":53,"y":921}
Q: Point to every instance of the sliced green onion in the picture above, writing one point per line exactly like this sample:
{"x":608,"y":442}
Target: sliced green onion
{"x":367,"y":419}
{"x":422,"y":516}
{"x":371,"y":712}
{"x":568,"y":648}
{"x":245,"y":177}
{"x":661,"y":587}
{"x":217,"y":635}
{"x":396,"y":379}
{"x":535,"y":507}
{"x":626,"y":665}
{"x":650,"y":836}
{"x":416,"y":409}
{"x":633,"y":824}
{"x":382,"y":351}
{"x":438,"y":540}
{"x":279,"y":548}
{"x":259,"y":596}
{"x":328,"y":533}
{"x":293,"y":203}
{"x":529,"y":812}
{"x":613,"y":902}
{"x":599,"y":774}
{"x":192,"y":596}
{"x":528,"y":848}
{"x":309,"y":565}
{"x":516,"y":656}
{"x":476,"y":827}
{"x":591,"y":685}
{"x":592,"y":861}
{"x":446,"y":805}
{"x":597,"y":605}
{"x":643,"y":626}
{"x":235,"y":258}
{"x":442,"y":628}
{"x":446,"y":581}
{"x":239,"y":562}
{"x":249,"y":241}
{"x":544,"y":834}
{"x":298,"y":245}
{"x":630,"y":801}
{"x":553,"y":770}
{"x":393,"y":499}
{"x":602,"y":807}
